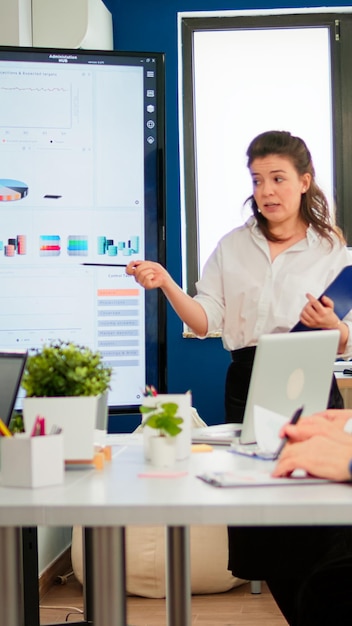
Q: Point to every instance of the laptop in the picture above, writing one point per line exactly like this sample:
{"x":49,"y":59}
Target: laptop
{"x":12,"y":364}
{"x":290,"y":370}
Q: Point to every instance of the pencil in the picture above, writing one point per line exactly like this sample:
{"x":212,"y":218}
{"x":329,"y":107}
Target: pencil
{"x":4,"y":430}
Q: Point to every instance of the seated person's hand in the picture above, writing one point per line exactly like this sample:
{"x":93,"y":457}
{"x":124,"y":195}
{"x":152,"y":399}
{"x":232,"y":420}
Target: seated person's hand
{"x":318,"y":456}
{"x":328,"y":423}
{"x":311,"y":426}
{"x":338,"y":417}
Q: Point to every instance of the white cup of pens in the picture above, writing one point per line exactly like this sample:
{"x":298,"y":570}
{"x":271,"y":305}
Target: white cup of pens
{"x":35,"y":460}
{"x":152,"y":398}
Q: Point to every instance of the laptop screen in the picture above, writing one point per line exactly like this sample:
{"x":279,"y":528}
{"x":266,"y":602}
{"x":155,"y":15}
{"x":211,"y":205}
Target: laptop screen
{"x":12,"y":364}
{"x":290,"y":370}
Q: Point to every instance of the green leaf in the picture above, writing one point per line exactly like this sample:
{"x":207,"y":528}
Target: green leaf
{"x":163,"y":417}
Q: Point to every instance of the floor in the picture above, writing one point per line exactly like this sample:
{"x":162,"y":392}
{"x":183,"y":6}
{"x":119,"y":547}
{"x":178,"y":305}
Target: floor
{"x":234,"y":608}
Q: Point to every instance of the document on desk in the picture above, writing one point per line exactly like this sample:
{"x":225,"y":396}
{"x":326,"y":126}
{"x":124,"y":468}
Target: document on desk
{"x":267,"y":426}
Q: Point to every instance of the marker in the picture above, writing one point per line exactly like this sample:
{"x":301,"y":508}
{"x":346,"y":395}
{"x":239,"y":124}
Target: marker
{"x":294,"y":419}
{"x":38,"y":429}
{"x":42,"y":426}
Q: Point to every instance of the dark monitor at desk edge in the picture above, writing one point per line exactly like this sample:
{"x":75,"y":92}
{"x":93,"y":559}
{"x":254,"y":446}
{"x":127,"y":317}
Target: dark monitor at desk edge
{"x":12,"y":364}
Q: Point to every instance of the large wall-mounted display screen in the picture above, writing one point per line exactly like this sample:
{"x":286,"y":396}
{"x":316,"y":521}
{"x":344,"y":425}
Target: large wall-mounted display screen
{"x":81,"y":181}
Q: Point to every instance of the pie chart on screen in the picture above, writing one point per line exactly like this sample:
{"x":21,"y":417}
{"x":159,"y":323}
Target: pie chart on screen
{"x":11,"y":190}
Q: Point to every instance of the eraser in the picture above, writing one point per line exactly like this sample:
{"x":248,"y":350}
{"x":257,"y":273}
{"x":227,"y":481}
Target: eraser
{"x":99,"y":460}
{"x":201,"y":447}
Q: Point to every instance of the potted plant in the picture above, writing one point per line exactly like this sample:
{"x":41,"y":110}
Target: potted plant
{"x":63,"y":368}
{"x":67,"y":384}
{"x":162,"y":417}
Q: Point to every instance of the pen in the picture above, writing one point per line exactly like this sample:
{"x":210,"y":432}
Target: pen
{"x":294,"y":419}
{"x":149,"y":391}
{"x":55,"y":430}
{"x":4,"y":430}
{"x":106,"y":264}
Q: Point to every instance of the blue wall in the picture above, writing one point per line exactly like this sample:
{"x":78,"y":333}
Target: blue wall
{"x":152,"y":25}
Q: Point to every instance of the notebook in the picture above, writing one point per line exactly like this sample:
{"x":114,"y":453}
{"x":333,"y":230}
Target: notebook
{"x":290,"y":370}
{"x":12,"y":364}
{"x":218,"y":434}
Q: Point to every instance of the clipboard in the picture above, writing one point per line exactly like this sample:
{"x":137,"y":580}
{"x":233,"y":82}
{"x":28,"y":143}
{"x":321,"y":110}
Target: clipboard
{"x":257,"y":477}
{"x":340,"y":291}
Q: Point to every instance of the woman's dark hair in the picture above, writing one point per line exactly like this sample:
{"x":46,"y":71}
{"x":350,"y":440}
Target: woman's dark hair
{"x":314,"y":207}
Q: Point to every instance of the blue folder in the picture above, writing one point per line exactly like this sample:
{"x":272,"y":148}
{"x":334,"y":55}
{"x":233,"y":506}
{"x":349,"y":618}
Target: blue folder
{"x":340,"y":291}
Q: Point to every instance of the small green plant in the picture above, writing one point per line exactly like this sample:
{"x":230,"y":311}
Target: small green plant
{"x":65,"y":369}
{"x":163,"y":417}
{"x":16,"y":424}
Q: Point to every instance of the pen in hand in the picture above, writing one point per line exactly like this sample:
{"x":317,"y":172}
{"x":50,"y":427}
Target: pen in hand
{"x":294,"y":419}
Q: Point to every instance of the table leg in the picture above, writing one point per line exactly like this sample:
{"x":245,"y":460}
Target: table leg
{"x":178,"y":577}
{"x":30,"y":576}
{"x":12,"y":603}
{"x":88,"y":572}
{"x":109,"y":579}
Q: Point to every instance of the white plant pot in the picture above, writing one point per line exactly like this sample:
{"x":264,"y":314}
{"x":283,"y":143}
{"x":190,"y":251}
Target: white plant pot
{"x":184,"y":438}
{"x":162,"y":451}
{"x":82,"y":418}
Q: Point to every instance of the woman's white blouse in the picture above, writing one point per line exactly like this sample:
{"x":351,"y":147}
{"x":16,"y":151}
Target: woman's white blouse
{"x":245,"y":294}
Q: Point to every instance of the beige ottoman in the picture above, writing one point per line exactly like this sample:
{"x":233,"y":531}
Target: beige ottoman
{"x":145,"y":560}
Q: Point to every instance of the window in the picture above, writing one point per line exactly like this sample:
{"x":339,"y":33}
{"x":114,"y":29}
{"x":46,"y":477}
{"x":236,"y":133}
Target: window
{"x":247,"y":74}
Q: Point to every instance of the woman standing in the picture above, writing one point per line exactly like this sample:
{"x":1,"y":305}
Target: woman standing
{"x":259,"y":280}
{"x":260,"y":275}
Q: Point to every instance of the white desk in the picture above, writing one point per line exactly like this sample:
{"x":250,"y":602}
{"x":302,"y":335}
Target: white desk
{"x":109,"y":500}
